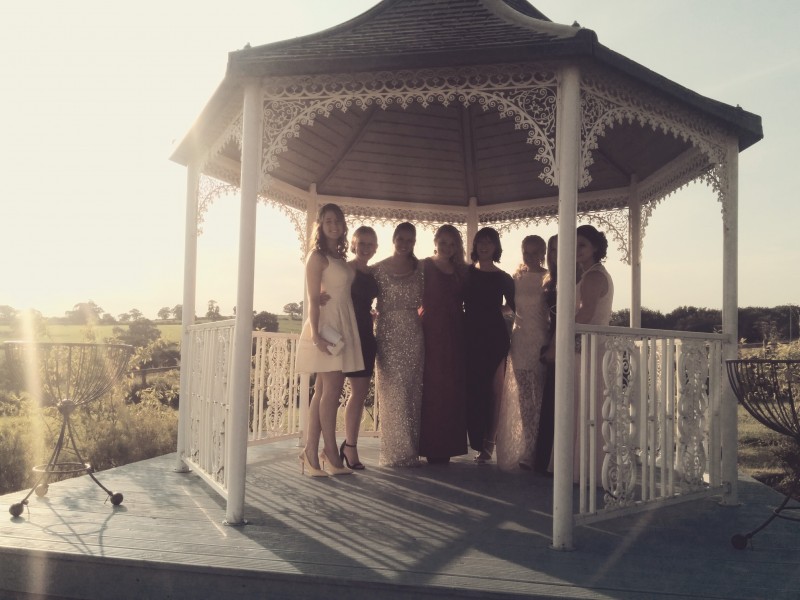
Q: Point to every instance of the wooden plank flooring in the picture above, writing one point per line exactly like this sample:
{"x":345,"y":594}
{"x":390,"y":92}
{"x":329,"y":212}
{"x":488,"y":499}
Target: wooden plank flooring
{"x":456,"y":531}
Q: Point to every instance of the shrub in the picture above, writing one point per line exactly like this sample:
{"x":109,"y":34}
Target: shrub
{"x":108,"y":433}
{"x":16,"y":455}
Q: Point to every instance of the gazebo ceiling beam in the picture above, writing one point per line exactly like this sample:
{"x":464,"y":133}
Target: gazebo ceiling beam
{"x":468,"y":152}
{"x":347,"y":146}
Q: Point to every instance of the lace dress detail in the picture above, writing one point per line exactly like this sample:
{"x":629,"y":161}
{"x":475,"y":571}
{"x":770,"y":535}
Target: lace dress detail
{"x":399,"y":364}
{"x":518,"y":427}
{"x":339,"y":315}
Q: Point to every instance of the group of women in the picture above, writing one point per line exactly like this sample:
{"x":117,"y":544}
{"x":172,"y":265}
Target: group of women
{"x":449,"y":370}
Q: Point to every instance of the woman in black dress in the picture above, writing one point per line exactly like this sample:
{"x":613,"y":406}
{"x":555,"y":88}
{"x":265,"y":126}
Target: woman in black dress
{"x":488,"y":339}
{"x":544,"y":441}
{"x":364,"y":290}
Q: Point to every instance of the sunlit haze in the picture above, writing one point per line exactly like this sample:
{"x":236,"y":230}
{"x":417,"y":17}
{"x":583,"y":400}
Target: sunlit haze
{"x":96,"y":95}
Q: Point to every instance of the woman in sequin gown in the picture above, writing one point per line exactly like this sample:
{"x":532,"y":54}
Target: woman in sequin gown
{"x":487,"y":340}
{"x":444,"y":425}
{"x":327,"y":272}
{"x":518,"y":426}
{"x":363,"y":291}
{"x":401,"y":350}
{"x":594,"y":296}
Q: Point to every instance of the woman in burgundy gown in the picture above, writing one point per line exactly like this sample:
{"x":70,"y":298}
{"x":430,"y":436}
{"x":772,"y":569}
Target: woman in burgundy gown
{"x":443,"y":425}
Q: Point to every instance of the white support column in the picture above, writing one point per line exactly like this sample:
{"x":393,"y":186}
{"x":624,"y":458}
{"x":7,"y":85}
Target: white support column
{"x":635,"y":250}
{"x":237,"y":431}
{"x":472,"y":224}
{"x":568,"y":140}
{"x":730,"y":320}
{"x":189,"y":299}
{"x":312,"y":206}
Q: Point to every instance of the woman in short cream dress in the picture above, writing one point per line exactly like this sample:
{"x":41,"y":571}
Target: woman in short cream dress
{"x":401,"y":350}
{"x":320,"y":348}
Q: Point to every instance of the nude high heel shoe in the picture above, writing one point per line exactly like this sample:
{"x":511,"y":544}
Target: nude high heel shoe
{"x":312,"y":470}
{"x":333,"y":469}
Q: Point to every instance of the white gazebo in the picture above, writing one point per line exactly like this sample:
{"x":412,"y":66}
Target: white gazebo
{"x":482,"y":112}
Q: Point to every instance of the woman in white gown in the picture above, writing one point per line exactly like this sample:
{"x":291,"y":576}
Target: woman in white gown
{"x":522,"y":392}
{"x":329,"y":344}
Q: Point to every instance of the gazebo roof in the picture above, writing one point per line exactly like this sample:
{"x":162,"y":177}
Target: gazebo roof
{"x":445,"y":153}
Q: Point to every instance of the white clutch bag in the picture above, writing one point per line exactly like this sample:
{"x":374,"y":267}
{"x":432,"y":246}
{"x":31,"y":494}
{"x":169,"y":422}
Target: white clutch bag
{"x":333,"y":337}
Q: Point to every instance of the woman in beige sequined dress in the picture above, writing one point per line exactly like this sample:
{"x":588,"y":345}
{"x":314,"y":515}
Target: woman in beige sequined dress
{"x":401,"y":350}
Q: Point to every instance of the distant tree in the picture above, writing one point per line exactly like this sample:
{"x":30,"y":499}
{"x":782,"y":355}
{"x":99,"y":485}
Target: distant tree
{"x":177,"y":312}
{"x":213,"y":311}
{"x":294,"y":310}
{"x":107,"y":319}
{"x":651,"y":319}
{"x":7,"y":314}
{"x":135,"y":314}
{"x":164,"y":313}
{"x":265,"y":321}
{"x":84,"y":313}
{"x":124,"y":317}
{"x":138,"y":333}
{"x":691,"y":318}
{"x":29,"y":322}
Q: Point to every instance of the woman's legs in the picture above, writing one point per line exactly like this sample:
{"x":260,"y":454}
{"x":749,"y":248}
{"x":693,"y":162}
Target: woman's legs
{"x":496,"y":398}
{"x":314,"y":425}
{"x":328,"y":407}
{"x":359,"y":387}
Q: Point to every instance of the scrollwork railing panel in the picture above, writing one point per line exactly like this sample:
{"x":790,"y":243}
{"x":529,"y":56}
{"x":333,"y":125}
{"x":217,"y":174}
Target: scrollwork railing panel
{"x":655,"y":396}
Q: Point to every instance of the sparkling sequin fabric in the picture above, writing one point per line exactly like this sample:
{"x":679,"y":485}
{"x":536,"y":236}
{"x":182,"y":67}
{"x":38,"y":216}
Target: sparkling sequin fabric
{"x":518,"y":427}
{"x":399,"y":364}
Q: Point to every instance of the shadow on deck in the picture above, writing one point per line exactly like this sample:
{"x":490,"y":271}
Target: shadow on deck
{"x":456,"y":531}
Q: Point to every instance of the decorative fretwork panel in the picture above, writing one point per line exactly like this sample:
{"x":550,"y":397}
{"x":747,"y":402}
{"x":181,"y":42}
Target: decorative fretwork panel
{"x":274,"y":405}
{"x":648,"y":417}
{"x":209,"y":399}
{"x":523,"y":93}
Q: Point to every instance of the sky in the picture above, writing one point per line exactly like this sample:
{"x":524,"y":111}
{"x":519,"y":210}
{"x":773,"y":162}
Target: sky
{"x":96,"y":94}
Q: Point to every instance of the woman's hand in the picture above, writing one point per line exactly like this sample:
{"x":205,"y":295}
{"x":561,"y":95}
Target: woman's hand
{"x":321,"y":343}
{"x":323,"y":298}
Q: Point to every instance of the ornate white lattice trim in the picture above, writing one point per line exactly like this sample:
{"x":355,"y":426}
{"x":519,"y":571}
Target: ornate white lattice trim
{"x":524,"y":93}
{"x":620,"y":374}
{"x":692,"y":371}
{"x":210,"y":189}
{"x":527,"y":94}
{"x":608,"y":99}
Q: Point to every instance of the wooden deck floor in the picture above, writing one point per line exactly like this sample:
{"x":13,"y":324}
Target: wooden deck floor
{"x":457,"y":531}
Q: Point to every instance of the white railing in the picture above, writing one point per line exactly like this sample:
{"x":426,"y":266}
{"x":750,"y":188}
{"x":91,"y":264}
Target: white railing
{"x":208,"y":400}
{"x":648,"y":418}
{"x":274,"y":399}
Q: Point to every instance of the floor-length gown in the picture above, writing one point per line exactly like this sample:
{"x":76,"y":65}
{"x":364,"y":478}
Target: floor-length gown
{"x":399,"y":364}
{"x":544,"y":439}
{"x":487,"y":345}
{"x":518,"y":427}
{"x":443,"y":430}
{"x":336,"y":315}
{"x":601,"y":316}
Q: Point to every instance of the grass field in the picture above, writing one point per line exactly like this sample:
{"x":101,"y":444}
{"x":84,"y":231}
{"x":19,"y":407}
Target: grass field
{"x":170,"y":331}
